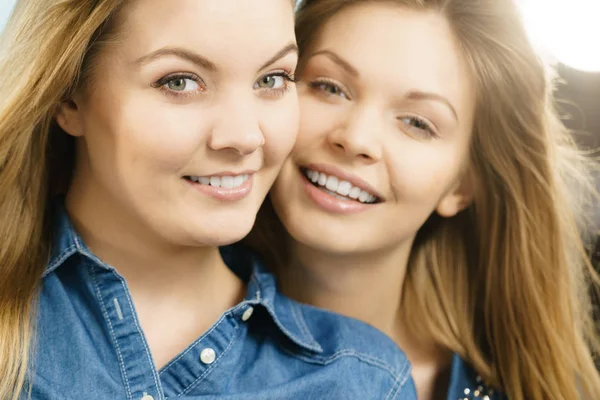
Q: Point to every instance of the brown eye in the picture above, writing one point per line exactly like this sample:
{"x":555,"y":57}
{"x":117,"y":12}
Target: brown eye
{"x":328,"y":89}
{"x":416,"y":123}
{"x":418,"y":127}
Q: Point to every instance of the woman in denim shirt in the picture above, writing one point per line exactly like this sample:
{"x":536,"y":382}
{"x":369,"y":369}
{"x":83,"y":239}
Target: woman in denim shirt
{"x":432,"y":193}
{"x":135,"y":138}
{"x":179,"y":115}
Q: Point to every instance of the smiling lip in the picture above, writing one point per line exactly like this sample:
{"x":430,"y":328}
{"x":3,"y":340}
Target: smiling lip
{"x":330,"y":203}
{"x":353,"y":179}
{"x":225,"y":194}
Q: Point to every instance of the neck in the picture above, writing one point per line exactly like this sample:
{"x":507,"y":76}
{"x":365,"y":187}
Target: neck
{"x":175,"y":288}
{"x":365,"y":286}
{"x":149,"y":263}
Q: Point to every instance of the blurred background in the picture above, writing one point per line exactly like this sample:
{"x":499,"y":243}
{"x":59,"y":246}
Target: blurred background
{"x":5,"y":8}
{"x":567,"y":32}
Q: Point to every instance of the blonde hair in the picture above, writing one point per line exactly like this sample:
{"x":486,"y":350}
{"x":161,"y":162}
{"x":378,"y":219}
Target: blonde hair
{"x":506,"y":283}
{"x":48,"y":49}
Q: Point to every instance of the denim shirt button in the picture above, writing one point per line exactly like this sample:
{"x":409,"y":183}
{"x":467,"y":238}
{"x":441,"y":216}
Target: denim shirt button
{"x":247,"y":314}
{"x":147,"y":397}
{"x":207,"y":356}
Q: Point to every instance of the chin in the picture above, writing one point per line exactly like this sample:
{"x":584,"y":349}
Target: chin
{"x":328,"y":239}
{"x":223,"y":232}
{"x":217,"y":239}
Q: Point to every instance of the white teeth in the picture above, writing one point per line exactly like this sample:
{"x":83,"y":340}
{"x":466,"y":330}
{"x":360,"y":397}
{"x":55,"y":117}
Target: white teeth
{"x":344,"y":188}
{"x":315,"y":176}
{"x":239,"y":180}
{"x":340,"y":189}
{"x":354,"y":193}
{"x":215,"y":181}
{"x":322,"y":179}
{"x":334,"y":194}
{"x":363,"y":197}
{"x":225,"y":182}
{"x":332,"y":183}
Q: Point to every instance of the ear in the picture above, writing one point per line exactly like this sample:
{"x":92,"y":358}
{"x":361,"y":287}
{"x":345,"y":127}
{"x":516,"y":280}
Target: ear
{"x":458,"y":198}
{"x":68,"y":117}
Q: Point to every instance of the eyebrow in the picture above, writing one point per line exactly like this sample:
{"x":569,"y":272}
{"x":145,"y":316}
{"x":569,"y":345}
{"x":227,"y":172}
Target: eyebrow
{"x":410,"y":95}
{"x":203,"y":62}
{"x":290,"y":48}
{"x":338,"y":60}
{"x":176,"y":52}
{"x":419,"y":95}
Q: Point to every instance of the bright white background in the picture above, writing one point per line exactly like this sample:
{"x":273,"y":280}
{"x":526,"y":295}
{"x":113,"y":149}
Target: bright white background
{"x":569,"y":30}
{"x":5,"y":7}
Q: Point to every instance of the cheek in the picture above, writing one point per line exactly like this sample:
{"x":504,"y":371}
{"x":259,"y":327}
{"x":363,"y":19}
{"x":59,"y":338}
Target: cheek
{"x":154,"y":135}
{"x":316,"y":120}
{"x":279,"y":126}
{"x":420,"y":174}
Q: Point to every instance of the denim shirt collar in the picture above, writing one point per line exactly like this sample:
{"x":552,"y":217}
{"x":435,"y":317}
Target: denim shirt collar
{"x":262,"y":288}
{"x":321,"y":336}
{"x":66,"y":242}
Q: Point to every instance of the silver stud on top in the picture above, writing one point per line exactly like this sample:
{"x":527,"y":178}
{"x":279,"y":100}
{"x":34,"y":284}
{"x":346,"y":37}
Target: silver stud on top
{"x":480,"y":392}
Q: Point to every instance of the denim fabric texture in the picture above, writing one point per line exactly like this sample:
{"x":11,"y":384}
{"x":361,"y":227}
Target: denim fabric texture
{"x":89,"y":343}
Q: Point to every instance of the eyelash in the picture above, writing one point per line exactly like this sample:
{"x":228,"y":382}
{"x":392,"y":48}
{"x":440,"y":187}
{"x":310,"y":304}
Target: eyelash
{"x":426,"y":130}
{"x":323,"y":84}
{"x":289,"y":78}
{"x":162,"y":82}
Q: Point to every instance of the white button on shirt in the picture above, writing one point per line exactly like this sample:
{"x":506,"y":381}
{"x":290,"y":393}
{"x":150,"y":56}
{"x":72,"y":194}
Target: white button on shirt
{"x":147,"y":397}
{"x":207,"y":356}
{"x":247,"y":314}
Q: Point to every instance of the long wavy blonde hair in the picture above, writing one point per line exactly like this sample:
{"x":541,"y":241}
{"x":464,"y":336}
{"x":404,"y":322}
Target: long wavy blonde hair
{"x":47,"y":51}
{"x":506,"y":283}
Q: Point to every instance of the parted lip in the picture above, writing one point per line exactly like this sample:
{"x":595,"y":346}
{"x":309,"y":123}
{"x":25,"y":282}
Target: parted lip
{"x":344,"y":176}
{"x":226,"y":173}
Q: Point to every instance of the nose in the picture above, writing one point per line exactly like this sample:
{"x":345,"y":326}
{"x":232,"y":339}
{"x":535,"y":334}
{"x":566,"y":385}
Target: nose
{"x":237,"y":128}
{"x":359,"y":138}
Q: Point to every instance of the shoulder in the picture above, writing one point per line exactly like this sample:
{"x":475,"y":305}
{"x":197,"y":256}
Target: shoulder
{"x":363,"y":358}
{"x":346,"y":351}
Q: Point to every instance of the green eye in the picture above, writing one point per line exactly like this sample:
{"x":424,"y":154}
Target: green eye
{"x":177,"y":85}
{"x":180,"y":84}
{"x":270,"y":82}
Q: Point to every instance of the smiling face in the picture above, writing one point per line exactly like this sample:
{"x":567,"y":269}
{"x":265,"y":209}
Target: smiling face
{"x":188,"y":118}
{"x":386,"y":116}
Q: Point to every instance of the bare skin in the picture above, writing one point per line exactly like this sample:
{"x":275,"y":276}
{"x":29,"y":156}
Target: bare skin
{"x":169,"y":102}
{"x":387,"y":106}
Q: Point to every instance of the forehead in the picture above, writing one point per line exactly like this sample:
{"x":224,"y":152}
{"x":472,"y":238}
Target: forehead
{"x":399,"y":48}
{"x":221,"y":30}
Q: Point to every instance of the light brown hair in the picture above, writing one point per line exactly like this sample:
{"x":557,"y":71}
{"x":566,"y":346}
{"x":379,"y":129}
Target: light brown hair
{"x":506,"y":283}
{"x":47,"y":51}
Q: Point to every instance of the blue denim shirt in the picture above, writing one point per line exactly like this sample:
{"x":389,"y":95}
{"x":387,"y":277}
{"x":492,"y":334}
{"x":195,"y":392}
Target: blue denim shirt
{"x":89,"y":344}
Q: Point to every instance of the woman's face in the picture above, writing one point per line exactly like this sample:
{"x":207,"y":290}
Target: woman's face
{"x":386,"y":107}
{"x":189,"y":117}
